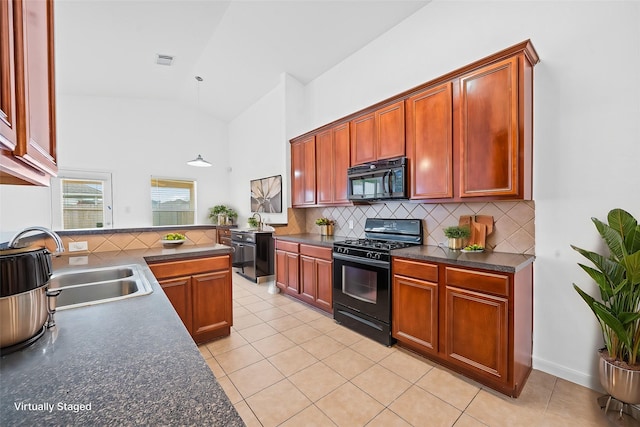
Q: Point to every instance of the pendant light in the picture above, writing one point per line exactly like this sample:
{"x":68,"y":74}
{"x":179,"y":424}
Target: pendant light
{"x":199,"y":161}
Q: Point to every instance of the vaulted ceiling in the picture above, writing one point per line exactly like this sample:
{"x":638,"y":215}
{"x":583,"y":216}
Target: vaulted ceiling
{"x":239,"y":47}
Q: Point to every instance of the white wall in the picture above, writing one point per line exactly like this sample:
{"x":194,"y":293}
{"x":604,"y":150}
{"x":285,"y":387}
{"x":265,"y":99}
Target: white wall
{"x":586,"y":133}
{"x":259,"y":145}
{"x":133,"y":139}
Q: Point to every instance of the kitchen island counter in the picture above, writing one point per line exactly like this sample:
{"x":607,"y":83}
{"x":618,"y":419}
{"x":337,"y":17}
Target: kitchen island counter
{"x":117,"y":363}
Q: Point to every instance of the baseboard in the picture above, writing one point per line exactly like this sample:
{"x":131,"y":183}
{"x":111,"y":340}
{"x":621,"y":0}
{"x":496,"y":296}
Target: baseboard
{"x":560,"y":371}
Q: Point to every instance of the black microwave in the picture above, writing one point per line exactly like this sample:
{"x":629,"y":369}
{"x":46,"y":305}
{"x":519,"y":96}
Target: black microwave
{"x":381,"y":180}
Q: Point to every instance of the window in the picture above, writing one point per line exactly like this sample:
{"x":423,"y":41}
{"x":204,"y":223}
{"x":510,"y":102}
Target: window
{"x":81,"y":200}
{"x":173,"y":201}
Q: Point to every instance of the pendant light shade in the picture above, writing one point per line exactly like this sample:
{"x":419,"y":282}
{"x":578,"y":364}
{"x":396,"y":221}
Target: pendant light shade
{"x":199,"y":162}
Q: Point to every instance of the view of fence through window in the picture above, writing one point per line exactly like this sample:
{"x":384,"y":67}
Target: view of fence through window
{"x":173,"y":201}
{"x":82,"y":203}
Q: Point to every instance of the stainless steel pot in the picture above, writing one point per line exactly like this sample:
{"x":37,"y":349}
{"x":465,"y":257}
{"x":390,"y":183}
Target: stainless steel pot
{"x":24,"y":274}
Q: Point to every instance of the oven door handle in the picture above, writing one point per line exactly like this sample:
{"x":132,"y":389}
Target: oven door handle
{"x":365,"y":261}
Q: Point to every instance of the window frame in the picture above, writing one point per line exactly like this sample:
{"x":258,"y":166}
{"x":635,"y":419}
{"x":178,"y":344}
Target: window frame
{"x":194,"y":194}
{"x":57,"y":197}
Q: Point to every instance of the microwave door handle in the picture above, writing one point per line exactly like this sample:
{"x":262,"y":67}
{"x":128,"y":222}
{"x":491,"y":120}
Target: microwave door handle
{"x":387,"y":180}
{"x":390,"y":182}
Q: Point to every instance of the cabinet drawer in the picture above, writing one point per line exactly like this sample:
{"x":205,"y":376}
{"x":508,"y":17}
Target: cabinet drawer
{"x":189,"y":267}
{"x":287,"y":246}
{"x":316,"y":252}
{"x":419,"y":270}
{"x":224,"y":232}
{"x":497,"y":284}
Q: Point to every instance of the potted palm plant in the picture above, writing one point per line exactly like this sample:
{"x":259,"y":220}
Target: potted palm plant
{"x":618,"y":309}
{"x":456,"y":235}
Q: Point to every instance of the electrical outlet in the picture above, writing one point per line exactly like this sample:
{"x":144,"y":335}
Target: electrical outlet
{"x":350,"y":224}
{"x":78,"y":246}
{"x":78,"y":260}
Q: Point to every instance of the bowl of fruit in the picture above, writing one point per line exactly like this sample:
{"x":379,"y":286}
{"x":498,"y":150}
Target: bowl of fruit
{"x":473,"y":248}
{"x":173,"y":239}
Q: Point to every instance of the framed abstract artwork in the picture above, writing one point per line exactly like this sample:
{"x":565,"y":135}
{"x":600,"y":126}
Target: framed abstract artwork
{"x":266,"y":194}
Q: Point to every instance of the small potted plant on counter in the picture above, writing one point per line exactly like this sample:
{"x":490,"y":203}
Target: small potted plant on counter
{"x":617,"y":275}
{"x":232,"y":216}
{"x":326,"y":226}
{"x":456,"y":235}
{"x":222,"y":215}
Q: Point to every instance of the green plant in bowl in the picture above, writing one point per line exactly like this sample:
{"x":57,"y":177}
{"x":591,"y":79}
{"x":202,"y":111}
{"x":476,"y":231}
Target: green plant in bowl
{"x":175,"y":236}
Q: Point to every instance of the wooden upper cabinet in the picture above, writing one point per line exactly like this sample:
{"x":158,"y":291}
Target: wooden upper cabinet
{"x":32,"y":160}
{"x":491,"y":136}
{"x":363,"y":139}
{"x":324,"y":167}
{"x":391,"y":131}
{"x":332,"y":162}
{"x":8,"y":133}
{"x":303,"y":171}
{"x":378,"y":135}
{"x":429,"y":127}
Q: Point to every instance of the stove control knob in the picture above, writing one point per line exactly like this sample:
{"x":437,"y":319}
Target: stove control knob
{"x":377,"y":256}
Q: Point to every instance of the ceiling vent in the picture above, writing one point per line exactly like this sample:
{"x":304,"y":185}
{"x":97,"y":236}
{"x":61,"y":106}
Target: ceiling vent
{"x":164,"y":59}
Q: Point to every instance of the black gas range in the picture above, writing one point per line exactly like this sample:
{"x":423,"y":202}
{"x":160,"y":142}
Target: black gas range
{"x":362,"y":275}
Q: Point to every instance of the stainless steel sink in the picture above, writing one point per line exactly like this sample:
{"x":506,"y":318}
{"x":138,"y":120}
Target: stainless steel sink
{"x":98,"y":285}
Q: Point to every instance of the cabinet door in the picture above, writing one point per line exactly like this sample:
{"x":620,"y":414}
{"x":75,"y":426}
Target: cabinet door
{"x":488,"y":140}
{"x":324,"y":167}
{"x":363,"y":139}
{"x":293,"y":282}
{"x":282,"y":275}
{"x":7,"y":78}
{"x":36,"y":145}
{"x":476,"y":331}
{"x":303,"y":169}
{"x":308,"y":279}
{"x":27,"y":93}
{"x":342,"y":161}
{"x":178,"y":291}
{"x":211,"y":299}
{"x":287,"y":272}
{"x":390,"y":131}
{"x":324,"y":285}
{"x":430,"y":143}
{"x":415,"y":313}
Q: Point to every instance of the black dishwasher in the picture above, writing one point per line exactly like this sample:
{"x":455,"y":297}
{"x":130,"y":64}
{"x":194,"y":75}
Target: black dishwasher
{"x":253,"y":253}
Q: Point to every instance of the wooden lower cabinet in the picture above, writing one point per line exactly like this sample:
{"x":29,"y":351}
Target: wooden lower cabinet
{"x":305,"y":272}
{"x":287,"y":259}
{"x":200,"y":292}
{"x":415,"y":313}
{"x":178,"y":290}
{"x":476,"y":322}
{"x":476,"y":331}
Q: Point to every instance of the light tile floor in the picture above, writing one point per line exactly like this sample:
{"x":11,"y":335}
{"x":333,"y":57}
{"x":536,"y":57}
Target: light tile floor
{"x":290,"y":365}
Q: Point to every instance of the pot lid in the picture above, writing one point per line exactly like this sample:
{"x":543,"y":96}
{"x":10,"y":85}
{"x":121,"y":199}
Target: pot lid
{"x":23,"y":270}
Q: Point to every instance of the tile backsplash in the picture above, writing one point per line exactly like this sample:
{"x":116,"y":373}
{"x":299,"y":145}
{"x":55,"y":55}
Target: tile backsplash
{"x":514,"y":222}
{"x":118,"y":240}
{"x":514,"y":225}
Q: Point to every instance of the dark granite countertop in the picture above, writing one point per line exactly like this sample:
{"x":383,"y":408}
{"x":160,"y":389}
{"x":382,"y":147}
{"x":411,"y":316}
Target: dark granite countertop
{"x":119,"y":363}
{"x":311,"y":239}
{"x":495,"y":261}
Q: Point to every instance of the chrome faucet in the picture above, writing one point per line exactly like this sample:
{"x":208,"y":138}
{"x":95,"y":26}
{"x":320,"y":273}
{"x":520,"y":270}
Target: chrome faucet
{"x":50,"y":233}
{"x":259,"y":219}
